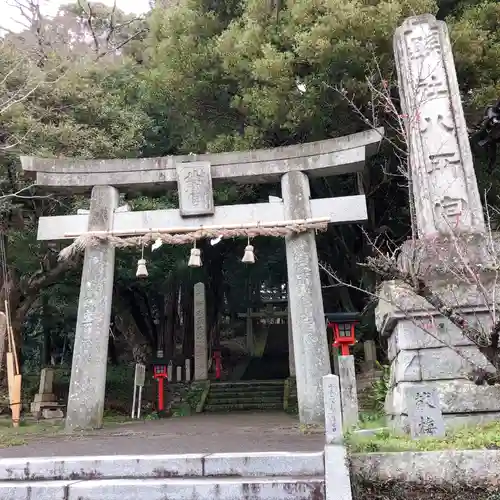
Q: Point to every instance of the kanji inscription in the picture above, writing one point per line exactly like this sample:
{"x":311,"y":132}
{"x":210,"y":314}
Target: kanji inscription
{"x":424,"y":413}
{"x":194,"y":181}
{"x":444,"y":182}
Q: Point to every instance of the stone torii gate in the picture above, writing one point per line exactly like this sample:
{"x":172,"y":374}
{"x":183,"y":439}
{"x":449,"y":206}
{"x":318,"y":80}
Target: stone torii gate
{"x":193,"y":175}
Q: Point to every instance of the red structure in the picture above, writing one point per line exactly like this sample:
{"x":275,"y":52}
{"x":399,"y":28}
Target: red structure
{"x":344,"y":327}
{"x":218,"y":366}
{"x":160,"y":374}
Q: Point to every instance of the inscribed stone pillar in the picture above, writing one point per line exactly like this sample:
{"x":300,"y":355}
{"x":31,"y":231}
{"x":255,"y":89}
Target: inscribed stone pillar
{"x":444,"y":183}
{"x":305,"y":302}
{"x":370,"y":350}
{"x":90,"y":351}
{"x":348,"y":390}
{"x":200,"y":333}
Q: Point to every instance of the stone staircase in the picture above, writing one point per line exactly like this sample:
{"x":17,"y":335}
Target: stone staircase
{"x":251,"y":395}
{"x":218,"y":476}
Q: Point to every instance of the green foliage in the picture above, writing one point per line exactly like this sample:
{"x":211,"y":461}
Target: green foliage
{"x":375,"y":397}
{"x":219,"y":76}
{"x":467,"y":438}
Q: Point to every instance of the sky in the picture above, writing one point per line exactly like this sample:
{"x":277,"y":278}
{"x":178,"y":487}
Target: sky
{"x":10,"y":13}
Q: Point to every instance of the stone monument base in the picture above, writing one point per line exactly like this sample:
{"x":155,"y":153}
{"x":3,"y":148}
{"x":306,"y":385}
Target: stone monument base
{"x":426,"y":349}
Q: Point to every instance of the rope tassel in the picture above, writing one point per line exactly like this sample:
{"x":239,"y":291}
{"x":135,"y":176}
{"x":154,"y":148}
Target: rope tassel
{"x":249,"y":256}
{"x":195,"y":258}
{"x":142,"y":270}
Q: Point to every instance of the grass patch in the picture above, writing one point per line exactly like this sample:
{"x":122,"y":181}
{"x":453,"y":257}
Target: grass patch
{"x":371,"y":420}
{"x":30,"y":430}
{"x":466,"y":438}
{"x":10,"y":436}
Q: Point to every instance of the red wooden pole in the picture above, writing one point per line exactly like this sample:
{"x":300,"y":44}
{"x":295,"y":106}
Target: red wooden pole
{"x":160,"y":394}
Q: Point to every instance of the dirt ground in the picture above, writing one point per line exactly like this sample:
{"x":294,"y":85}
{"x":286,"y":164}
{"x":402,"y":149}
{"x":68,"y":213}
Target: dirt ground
{"x":200,"y":433}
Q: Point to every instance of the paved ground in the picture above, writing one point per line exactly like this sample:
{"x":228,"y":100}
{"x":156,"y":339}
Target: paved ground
{"x":201,"y":433}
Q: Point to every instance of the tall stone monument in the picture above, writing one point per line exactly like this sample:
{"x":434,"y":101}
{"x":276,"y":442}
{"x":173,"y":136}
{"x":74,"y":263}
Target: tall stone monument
{"x":200,"y":333}
{"x":425,"y":349}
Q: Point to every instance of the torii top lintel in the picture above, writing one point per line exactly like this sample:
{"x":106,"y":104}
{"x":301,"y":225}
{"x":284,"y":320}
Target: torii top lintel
{"x":318,"y":159}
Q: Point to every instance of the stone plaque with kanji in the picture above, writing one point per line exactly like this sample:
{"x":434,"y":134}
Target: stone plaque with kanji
{"x":424,"y":413}
{"x":194,"y":182}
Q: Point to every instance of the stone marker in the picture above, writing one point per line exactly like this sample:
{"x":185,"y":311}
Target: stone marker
{"x":370,"y":362}
{"x":170,"y":372}
{"x":45,"y":402}
{"x":424,"y":413}
{"x":90,"y":351}
{"x":178,"y":374}
{"x":333,"y":409}
{"x":187,"y":365}
{"x":195,"y":188}
{"x":200,"y":333}
{"x":348,"y":391}
{"x":310,"y":345}
{"x":337,"y":475}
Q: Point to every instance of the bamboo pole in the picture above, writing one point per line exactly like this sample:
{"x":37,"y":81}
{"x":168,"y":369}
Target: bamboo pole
{"x":189,"y":229}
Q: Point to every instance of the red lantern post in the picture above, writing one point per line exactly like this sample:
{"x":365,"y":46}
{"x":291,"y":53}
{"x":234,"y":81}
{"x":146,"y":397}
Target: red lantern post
{"x":160,"y":374}
{"x":343,"y":334}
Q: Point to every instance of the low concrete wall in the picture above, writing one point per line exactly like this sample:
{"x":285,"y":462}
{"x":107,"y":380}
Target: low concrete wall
{"x":439,"y":475}
{"x":449,"y":467}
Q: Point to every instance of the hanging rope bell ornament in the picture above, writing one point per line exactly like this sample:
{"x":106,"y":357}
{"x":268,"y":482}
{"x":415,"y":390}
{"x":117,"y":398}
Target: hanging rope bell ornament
{"x":142,"y":271}
{"x":195,"y":258}
{"x":249,"y":256}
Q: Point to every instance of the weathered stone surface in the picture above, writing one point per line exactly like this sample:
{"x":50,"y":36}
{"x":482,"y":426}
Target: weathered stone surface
{"x":101,"y":467}
{"x":187,"y":489}
{"x":194,"y":183}
{"x":432,"y":331}
{"x":264,"y":464}
{"x":457,"y":467}
{"x":444,"y":183}
{"x":143,"y":466}
{"x":52,"y":413}
{"x":437,"y":364}
{"x":337,"y":473}
{"x":398,"y":302}
{"x":26,"y":490}
{"x":426,"y":419}
{"x":405,"y":367}
{"x":90,"y":351}
{"x":333,"y":409}
{"x":348,"y":391}
{"x":200,"y":333}
{"x":46,"y":381}
{"x":341,"y":210}
{"x":323,"y":158}
{"x":370,"y":359}
{"x":306,"y":303}
{"x":455,"y":396}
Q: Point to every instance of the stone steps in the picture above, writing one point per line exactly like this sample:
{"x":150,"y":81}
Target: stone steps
{"x":221,"y":476}
{"x":241,"y":396}
{"x":243,"y":400}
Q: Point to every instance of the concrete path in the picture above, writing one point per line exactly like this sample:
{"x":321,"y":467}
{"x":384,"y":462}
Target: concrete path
{"x":201,"y":433}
